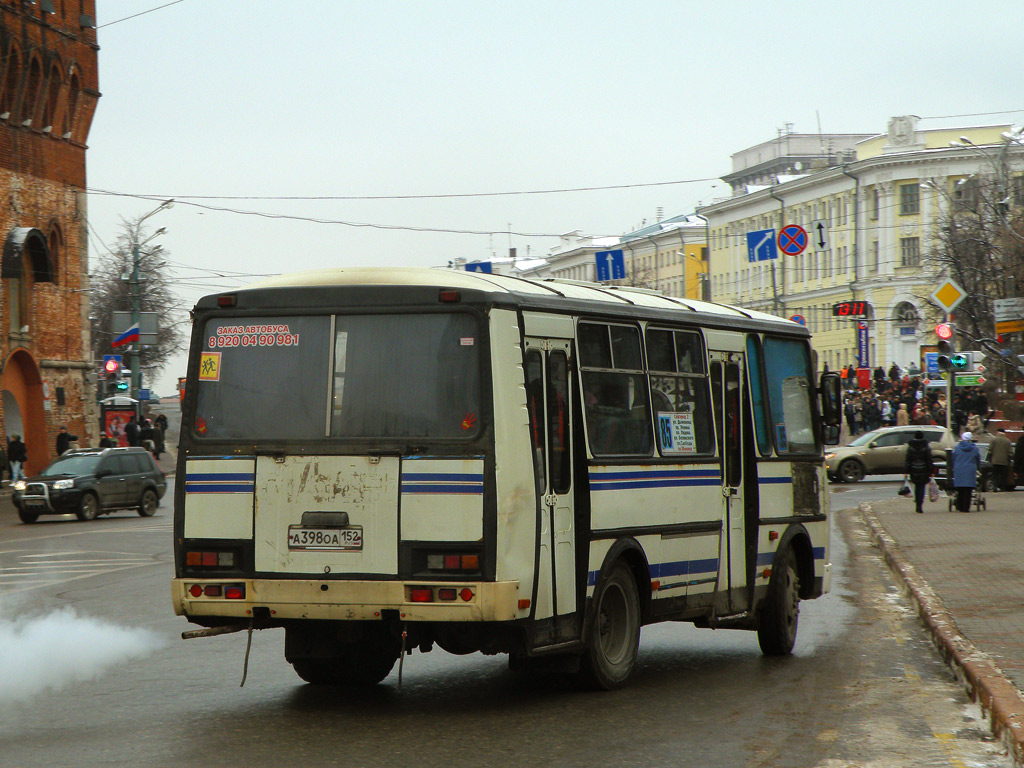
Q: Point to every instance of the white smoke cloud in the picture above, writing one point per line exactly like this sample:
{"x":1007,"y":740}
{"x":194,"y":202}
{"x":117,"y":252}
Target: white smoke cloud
{"x":60,"y":648}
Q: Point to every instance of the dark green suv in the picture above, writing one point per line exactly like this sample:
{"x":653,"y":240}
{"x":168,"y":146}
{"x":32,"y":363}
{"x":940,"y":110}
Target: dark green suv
{"x":91,"y":482}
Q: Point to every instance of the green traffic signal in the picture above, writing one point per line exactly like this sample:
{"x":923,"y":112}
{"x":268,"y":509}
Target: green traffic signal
{"x":960,"y":361}
{"x":121,"y":386}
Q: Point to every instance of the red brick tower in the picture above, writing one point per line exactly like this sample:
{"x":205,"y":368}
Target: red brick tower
{"x":49,"y":88}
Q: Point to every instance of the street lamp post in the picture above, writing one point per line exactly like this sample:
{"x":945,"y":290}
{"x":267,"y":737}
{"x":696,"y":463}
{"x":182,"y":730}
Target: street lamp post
{"x":136,"y":379}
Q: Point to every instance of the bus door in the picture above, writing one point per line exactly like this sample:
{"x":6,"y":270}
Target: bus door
{"x":727,"y":395}
{"x":547,"y":391}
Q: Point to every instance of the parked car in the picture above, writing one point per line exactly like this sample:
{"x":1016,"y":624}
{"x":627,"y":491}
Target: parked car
{"x":91,"y":482}
{"x":882,"y":452}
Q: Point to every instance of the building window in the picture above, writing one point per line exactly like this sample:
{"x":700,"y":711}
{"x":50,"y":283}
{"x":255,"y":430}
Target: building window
{"x":1018,"y":190}
{"x":910,"y":251}
{"x":910,"y":199}
{"x":874,"y":205}
{"x":873,"y":265}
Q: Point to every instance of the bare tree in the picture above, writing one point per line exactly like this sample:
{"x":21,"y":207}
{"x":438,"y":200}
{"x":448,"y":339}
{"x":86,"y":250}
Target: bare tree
{"x":979,"y":244}
{"x":112,"y":291}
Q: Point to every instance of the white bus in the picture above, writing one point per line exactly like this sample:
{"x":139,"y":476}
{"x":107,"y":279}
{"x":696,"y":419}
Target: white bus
{"x":381,"y":460}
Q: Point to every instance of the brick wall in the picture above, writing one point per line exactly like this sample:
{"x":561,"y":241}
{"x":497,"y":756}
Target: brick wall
{"x":49,"y":78}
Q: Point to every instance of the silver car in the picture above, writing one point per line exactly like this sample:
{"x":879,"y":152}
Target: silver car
{"x":883,"y":451}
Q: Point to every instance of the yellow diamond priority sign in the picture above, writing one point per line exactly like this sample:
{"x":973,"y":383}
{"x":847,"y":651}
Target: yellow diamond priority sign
{"x":948,"y":296}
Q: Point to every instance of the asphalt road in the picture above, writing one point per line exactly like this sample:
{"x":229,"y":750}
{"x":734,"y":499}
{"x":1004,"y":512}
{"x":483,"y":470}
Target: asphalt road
{"x":112,"y":684}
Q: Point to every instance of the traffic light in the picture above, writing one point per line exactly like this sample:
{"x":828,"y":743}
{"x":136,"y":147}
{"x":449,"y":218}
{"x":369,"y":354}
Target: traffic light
{"x":121,"y":385}
{"x":962,"y":361}
{"x":111,"y":364}
{"x":947,"y":339}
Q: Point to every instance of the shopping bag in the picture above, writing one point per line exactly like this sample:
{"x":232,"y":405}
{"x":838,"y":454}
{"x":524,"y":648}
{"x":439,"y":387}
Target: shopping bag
{"x":933,"y":490}
{"x":904,"y":489}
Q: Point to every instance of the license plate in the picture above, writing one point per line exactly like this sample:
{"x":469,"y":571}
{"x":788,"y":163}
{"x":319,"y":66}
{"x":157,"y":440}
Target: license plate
{"x":336,"y":539}
{"x":35,"y":503}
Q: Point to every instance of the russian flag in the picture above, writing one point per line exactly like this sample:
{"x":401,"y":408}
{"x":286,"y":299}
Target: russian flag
{"x":132,"y":334}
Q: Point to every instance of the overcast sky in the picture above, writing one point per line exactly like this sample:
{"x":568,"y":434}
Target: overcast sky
{"x":238,"y":104}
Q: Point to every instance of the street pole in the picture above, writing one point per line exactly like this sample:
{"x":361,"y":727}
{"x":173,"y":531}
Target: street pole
{"x":136,"y":378}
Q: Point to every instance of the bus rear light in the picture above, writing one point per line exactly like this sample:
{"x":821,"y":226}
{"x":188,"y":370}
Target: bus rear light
{"x":524,"y":603}
{"x":227,"y":300}
{"x":448,"y":297}
{"x":421,"y":595}
{"x":446,"y":593}
{"x":453,"y":562}
{"x":213,"y":590}
{"x":201,"y":559}
{"x":234,"y":592}
{"x":466,"y":594}
{"x":195,"y":590}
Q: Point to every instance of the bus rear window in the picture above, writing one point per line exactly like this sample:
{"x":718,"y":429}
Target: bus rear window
{"x":263,"y":378}
{"x":406,"y":376}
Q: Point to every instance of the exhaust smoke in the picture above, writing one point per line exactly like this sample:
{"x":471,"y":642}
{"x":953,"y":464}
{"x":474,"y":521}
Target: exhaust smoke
{"x":51,"y":651}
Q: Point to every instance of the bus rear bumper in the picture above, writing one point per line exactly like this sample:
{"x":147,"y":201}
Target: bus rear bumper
{"x":347,"y":600}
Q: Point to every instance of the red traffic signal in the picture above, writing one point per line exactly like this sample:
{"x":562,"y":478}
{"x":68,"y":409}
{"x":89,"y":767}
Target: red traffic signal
{"x":112,"y":363}
{"x":944,"y":331}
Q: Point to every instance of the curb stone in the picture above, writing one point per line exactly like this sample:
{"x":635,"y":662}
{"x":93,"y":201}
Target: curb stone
{"x":983,"y":681}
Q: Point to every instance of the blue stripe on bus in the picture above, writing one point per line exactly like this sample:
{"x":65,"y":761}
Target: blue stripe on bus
{"x":228,"y":476}
{"x":654,"y":473}
{"x":440,"y":488}
{"x":675,"y":568}
{"x":775,"y":480}
{"x":449,"y":477}
{"x":219,"y":488}
{"x":653,"y":483}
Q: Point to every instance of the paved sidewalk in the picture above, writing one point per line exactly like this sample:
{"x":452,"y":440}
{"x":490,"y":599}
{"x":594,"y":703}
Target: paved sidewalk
{"x":966,"y":574}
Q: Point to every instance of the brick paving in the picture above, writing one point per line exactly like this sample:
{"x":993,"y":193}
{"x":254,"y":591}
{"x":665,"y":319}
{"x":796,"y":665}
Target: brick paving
{"x":965,"y":571}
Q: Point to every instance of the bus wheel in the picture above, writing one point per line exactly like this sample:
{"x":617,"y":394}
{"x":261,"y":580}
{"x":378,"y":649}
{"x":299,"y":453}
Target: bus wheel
{"x":780,"y":610}
{"x":614,"y":637}
{"x":358,"y":664}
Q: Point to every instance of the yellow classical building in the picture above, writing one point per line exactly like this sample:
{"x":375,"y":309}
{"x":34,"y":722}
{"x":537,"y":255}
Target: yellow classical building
{"x":870,"y":217}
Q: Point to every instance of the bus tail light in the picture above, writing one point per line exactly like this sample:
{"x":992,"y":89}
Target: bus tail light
{"x":457,"y":562}
{"x":234,"y":592}
{"x":447,"y":593}
{"x":208,"y":559}
{"x":421,"y":595}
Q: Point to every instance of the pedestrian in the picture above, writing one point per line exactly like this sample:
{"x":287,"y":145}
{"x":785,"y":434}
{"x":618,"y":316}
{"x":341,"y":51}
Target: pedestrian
{"x":919,"y":467}
{"x":146,"y":436}
{"x":966,"y":460}
{"x":64,"y":439}
{"x":161,"y":421}
{"x":999,"y":454}
{"x":17,"y":454}
{"x":158,"y":439}
{"x":903,"y":416}
{"x":131,"y":431}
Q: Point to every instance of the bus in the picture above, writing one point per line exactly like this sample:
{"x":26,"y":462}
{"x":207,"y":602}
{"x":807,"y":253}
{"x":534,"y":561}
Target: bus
{"x":386,"y":460}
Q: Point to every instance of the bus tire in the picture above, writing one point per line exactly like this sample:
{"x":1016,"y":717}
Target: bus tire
{"x":359,"y":664}
{"x":780,"y":610}
{"x":614,"y":637}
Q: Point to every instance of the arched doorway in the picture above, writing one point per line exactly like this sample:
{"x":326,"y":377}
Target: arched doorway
{"x":906,"y":347}
{"x":23,"y":408}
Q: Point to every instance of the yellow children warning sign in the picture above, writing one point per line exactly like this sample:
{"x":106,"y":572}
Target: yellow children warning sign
{"x":209,"y":366}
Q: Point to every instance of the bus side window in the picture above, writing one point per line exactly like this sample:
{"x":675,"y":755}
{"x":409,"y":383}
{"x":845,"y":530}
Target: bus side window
{"x":535,"y":408}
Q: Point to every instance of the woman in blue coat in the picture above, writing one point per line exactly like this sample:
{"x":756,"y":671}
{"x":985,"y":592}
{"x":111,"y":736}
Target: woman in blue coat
{"x":966,"y":461}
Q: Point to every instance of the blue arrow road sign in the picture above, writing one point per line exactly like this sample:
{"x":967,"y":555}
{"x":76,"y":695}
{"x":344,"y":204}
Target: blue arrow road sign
{"x":480,"y":266}
{"x":761,"y":245}
{"x":611,"y":265}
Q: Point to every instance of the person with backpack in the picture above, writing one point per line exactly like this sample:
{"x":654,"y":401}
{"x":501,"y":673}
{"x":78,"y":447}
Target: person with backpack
{"x":920,"y":467}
